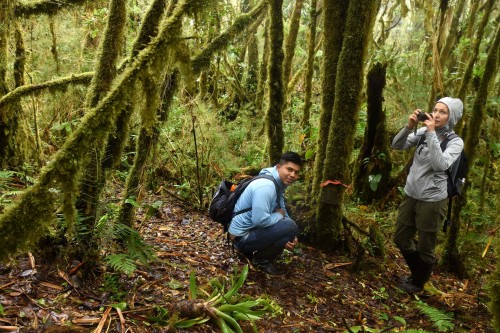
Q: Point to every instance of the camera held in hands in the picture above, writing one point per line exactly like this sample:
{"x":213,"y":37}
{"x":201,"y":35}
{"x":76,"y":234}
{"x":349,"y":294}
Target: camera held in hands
{"x":422,"y":116}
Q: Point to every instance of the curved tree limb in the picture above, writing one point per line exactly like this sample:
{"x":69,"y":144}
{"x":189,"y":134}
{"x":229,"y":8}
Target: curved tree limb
{"x":57,"y":84}
{"x":48,"y":7}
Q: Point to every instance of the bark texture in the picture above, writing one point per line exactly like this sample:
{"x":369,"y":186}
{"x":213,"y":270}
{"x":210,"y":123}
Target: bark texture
{"x":333,"y":30}
{"x":360,"y":19}
{"x":276,"y":91}
{"x":373,"y":166}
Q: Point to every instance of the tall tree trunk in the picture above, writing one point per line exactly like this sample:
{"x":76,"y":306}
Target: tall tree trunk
{"x":334,"y":13}
{"x":291,"y":39}
{"x":451,"y":256}
{"x":276,"y":99}
{"x":467,"y":75}
{"x":452,"y":34}
{"x":261,"y":85}
{"x":14,"y":131}
{"x":311,"y":44}
{"x":494,"y":290}
{"x":360,"y":19}
{"x":373,"y":166}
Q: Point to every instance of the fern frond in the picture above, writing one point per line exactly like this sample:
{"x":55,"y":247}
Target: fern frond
{"x":441,"y":320}
{"x":121,"y":262}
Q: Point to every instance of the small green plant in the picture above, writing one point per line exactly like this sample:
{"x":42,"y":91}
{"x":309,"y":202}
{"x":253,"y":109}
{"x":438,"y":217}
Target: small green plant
{"x":113,"y":286}
{"x":224,"y":308}
{"x":441,"y":320}
{"x":380,"y":294}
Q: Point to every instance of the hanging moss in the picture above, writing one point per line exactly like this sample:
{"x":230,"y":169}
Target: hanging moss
{"x":149,"y":29}
{"x":110,"y":50}
{"x":24,"y":221}
{"x":48,"y":7}
{"x":202,"y":60}
{"x":146,"y":142}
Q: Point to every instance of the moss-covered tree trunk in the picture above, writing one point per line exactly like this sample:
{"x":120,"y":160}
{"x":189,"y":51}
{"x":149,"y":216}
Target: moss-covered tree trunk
{"x":333,"y":31}
{"x":494,"y":291}
{"x":24,"y":222}
{"x":14,"y":134}
{"x":261,"y":84}
{"x":253,"y":63}
{"x":467,"y":75}
{"x":452,"y":260}
{"x":373,"y":166}
{"x":311,"y":43}
{"x":360,"y":19}
{"x":118,"y":139}
{"x":452,"y":37}
{"x":276,"y":97}
{"x":291,"y":39}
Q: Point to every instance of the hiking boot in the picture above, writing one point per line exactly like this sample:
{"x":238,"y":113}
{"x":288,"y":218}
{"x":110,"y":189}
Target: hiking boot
{"x":417,"y":281}
{"x":270,"y":268}
{"x":410,"y":287}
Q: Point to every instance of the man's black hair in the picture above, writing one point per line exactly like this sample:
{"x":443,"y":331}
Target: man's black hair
{"x":290,"y":156}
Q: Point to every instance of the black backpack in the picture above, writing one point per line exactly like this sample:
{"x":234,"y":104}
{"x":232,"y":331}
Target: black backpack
{"x":221,"y":207}
{"x":457,"y":171}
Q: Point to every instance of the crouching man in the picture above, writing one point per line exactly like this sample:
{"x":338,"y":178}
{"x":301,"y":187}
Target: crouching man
{"x":264,"y":231}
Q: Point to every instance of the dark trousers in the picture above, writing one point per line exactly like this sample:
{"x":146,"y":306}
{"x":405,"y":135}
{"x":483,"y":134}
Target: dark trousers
{"x":424,"y":218}
{"x":267,"y":244}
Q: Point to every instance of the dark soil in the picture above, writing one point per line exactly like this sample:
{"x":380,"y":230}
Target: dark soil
{"x":320,"y":293}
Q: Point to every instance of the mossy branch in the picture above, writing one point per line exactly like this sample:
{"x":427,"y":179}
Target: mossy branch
{"x":202,"y":60}
{"x":57,"y":84}
{"x":48,"y":7}
{"x":22,"y":223}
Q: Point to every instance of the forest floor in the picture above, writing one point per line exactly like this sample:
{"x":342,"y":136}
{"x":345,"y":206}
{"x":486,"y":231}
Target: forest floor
{"x":319,"y":293}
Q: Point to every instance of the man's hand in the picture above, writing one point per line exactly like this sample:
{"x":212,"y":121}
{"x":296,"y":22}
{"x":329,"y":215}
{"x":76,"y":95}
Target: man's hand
{"x":290,"y":245}
{"x":281,"y":211}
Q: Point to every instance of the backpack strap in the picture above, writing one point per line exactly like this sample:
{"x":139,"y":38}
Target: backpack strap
{"x":277,"y":193}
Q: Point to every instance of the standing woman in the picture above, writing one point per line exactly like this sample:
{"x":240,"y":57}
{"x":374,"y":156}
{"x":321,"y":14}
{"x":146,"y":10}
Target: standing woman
{"x":424,"y":205}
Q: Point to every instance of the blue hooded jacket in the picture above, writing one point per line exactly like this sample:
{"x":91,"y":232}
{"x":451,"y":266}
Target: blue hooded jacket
{"x":261,"y":196}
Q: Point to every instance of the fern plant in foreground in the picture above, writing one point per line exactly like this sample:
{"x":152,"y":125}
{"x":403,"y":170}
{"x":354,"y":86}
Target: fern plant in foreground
{"x":441,"y":320}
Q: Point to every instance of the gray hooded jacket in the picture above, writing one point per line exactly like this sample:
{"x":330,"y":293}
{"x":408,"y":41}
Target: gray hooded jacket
{"x":427,"y":180}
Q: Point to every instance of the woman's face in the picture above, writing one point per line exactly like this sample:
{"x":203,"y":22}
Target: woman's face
{"x":441,"y":114}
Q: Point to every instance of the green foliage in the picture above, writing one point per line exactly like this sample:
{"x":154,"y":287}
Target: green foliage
{"x":224,"y":307}
{"x":441,"y":320}
{"x":114,"y":287}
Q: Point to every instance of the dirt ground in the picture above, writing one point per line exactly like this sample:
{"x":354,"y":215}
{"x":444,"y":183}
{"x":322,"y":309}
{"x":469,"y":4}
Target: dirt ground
{"x":318,"y":294}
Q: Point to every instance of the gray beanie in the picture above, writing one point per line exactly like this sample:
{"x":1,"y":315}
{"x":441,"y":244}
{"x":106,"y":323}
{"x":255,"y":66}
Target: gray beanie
{"x":456,"y":108}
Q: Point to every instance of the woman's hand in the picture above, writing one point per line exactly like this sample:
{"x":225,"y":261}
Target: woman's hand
{"x":430,"y":123}
{"x":412,"y":120}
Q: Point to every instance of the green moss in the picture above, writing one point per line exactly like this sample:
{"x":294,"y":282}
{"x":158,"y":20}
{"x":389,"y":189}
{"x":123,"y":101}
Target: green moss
{"x":202,"y":59}
{"x":24,"y":222}
{"x":276,"y":98}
